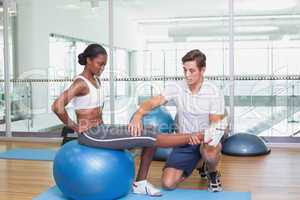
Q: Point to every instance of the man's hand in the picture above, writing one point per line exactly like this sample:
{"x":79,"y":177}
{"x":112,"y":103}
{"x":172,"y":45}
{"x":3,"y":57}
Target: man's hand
{"x":215,"y":132}
{"x":135,"y":127}
{"x":197,"y":138}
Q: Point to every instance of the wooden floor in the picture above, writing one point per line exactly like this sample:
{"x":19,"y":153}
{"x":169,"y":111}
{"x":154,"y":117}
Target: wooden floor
{"x":272,"y":177}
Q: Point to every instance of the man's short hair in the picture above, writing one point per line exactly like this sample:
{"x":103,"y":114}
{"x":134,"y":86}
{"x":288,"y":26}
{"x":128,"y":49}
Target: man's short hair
{"x":195,"y":55}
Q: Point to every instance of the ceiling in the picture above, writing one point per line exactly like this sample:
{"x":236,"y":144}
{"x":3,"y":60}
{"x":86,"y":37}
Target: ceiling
{"x":175,"y":20}
{"x":156,"y":9}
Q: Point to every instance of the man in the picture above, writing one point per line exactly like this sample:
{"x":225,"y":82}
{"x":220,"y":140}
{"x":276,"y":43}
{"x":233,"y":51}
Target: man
{"x":200,"y":107}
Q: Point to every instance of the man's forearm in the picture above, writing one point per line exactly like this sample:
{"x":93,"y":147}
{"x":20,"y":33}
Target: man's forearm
{"x":148,"y":105}
{"x":144,"y":108}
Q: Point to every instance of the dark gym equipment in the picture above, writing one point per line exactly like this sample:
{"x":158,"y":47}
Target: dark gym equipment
{"x":244,"y":144}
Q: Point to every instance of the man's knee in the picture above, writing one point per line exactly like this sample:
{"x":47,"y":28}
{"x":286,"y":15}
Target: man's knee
{"x":171,"y":177}
{"x":211,"y":154}
{"x":169,"y":184}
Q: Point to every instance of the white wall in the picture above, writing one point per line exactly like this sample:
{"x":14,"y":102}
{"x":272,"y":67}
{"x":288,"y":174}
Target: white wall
{"x":38,"y":18}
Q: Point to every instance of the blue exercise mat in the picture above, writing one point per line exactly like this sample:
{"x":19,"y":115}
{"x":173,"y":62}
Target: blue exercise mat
{"x":179,"y":194}
{"x":32,"y":154}
{"x":29,"y":154}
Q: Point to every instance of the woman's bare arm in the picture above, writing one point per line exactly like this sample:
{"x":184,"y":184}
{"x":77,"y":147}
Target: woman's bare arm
{"x":58,"y":107}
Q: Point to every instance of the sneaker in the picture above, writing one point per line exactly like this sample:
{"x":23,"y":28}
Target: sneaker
{"x":146,"y":188}
{"x":214,"y":182}
{"x":203,"y":172}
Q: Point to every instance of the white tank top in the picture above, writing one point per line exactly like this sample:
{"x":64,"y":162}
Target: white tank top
{"x":95,"y":97}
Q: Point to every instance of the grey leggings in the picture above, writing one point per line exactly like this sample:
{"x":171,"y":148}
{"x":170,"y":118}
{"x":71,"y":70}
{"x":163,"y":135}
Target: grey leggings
{"x":117,"y":137}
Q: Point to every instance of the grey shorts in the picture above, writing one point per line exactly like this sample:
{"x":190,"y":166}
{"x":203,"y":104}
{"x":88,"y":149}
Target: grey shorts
{"x":117,"y":137}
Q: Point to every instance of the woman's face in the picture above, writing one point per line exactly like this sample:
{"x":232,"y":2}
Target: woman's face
{"x":97,"y":65}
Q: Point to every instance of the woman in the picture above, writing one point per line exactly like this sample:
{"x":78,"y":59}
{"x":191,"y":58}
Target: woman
{"x":84,"y":93}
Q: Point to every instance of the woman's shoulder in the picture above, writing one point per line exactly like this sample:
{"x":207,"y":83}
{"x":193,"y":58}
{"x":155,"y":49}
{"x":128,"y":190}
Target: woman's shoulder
{"x":79,"y":83}
{"x":79,"y":80}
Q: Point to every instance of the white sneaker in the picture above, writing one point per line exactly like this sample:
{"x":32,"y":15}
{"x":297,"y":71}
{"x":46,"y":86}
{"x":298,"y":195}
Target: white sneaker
{"x":146,"y":188}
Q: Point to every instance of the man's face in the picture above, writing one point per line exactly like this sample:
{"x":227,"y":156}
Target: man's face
{"x":192,"y":73}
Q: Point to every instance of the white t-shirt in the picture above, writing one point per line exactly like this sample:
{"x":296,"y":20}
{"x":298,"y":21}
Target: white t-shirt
{"x":193,"y":110}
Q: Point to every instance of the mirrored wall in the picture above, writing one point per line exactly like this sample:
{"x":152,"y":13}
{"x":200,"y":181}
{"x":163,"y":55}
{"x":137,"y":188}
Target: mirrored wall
{"x":148,"y":40}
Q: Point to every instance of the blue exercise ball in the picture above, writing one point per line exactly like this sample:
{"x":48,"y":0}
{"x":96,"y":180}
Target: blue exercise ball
{"x":244,"y":144}
{"x":86,"y":173}
{"x":160,"y":118}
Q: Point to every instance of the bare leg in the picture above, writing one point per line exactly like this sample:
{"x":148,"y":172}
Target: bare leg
{"x":200,"y":163}
{"x":212,"y":156}
{"x":166,"y":141}
{"x":171,"y":177}
{"x":146,"y":159}
{"x":162,"y":140}
{"x":142,"y":186}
